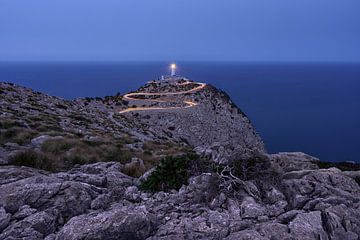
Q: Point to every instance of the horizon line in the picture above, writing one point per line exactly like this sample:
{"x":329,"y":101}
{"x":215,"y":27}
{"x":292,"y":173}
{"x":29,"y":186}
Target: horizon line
{"x":182,"y":61}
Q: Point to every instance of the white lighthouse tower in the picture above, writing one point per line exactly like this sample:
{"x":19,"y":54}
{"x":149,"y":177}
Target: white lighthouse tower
{"x":172,"y":69}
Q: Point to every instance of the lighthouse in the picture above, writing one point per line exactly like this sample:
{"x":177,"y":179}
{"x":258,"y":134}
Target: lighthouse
{"x":172,"y":69}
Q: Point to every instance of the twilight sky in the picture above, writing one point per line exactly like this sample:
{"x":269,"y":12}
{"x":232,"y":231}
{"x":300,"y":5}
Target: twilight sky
{"x":174,"y":30}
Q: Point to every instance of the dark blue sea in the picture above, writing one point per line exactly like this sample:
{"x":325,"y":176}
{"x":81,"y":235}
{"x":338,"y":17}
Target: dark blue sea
{"x":313,"y":108}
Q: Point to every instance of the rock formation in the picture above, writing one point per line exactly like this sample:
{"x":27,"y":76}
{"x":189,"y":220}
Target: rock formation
{"x":214,"y":126}
{"x":63,"y":177}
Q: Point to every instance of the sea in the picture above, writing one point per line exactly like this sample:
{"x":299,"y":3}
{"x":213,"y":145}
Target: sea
{"x":308,"y":107}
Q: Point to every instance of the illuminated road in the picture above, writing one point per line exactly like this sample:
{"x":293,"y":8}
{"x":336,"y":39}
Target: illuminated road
{"x":130,"y":96}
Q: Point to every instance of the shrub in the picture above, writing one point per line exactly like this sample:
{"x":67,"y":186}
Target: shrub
{"x":18,"y":135}
{"x":88,"y":99}
{"x":343,"y":166}
{"x":7,"y":123}
{"x":62,"y":106}
{"x":259,"y":169}
{"x":251,"y":168}
{"x":80,"y":155}
{"x":115,"y":154}
{"x":132,"y":171}
{"x":134,"y":168}
{"x":94,"y":142}
{"x":171,"y":173}
{"x":31,"y":158}
{"x":57,"y":146}
{"x":79,"y":118}
{"x":148,"y":152}
{"x":48,"y":127}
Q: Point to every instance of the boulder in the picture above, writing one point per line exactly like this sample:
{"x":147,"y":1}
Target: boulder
{"x":251,"y":209}
{"x":246,"y":235}
{"x":318,"y":189}
{"x":38,"y":141}
{"x":212,"y":225}
{"x":24,"y":211}
{"x":294,"y":161}
{"x":120,"y":222}
{"x":308,"y":226}
{"x":274,"y":230}
{"x":43,"y":223}
{"x":4,"y":219}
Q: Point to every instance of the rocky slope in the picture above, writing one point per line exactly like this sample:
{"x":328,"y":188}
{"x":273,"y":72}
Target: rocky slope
{"x":214,"y":127}
{"x":234,"y":191}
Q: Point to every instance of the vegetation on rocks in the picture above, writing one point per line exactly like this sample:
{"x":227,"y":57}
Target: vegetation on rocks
{"x":344,"y":166}
{"x":257,"y":168}
{"x":75,"y":132}
{"x":172,"y":172}
{"x":8,"y":123}
{"x":61,"y":153}
{"x":17,"y":135}
{"x":35,"y":159}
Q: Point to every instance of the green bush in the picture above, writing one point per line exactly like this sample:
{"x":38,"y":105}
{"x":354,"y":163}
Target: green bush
{"x":31,"y":158}
{"x":171,"y":173}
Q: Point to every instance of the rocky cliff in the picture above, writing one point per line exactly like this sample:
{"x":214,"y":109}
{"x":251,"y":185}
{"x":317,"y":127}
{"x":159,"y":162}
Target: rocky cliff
{"x":84,"y":169}
{"x":213,"y":125}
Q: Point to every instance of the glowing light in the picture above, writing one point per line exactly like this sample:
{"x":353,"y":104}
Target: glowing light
{"x":173,"y":66}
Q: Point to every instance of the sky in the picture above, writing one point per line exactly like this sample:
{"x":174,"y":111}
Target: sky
{"x":180,"y":30}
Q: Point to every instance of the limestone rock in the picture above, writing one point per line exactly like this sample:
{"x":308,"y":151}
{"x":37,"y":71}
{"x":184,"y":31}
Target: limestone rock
{"x":251,"y":209}
{"x":38,"y":141}
{"x":43,"y":223}
{"x":308,"y":226}
{"x":246,"y":235}
{"x":4,"y":219}
{"x":119,"y":222}
{"x":294,"y":161}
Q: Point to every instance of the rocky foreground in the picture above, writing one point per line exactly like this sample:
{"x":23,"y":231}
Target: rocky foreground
{"x":78,"y":170}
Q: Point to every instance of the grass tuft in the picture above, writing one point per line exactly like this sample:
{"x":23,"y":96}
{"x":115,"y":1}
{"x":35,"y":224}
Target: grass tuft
{"x":31,"y":158}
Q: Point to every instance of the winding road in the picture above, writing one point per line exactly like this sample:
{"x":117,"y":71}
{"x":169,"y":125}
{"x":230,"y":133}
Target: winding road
{"x":132,"y":96}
